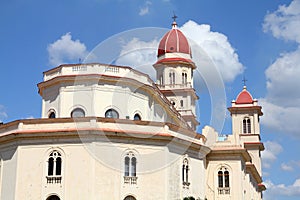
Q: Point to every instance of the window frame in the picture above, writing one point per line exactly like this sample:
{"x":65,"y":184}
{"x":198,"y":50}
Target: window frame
{"x":223,"y":180}
{"x":184,"y":77}
{"x":172,"y":77}
{"x":246,"y":125}
{"x":54,"y":167}
{"x":130,"y":168}
{"x":185,"y":172}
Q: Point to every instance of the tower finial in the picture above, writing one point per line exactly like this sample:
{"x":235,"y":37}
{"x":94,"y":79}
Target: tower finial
{"x":174,"y":24}
{"x":174,"y":17}
{"x":244,"y":80}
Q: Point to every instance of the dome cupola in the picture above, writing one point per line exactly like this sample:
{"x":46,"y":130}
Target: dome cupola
{"x":174,"y":47}
{"x":174,"y":41}
{"x":244,"y":97}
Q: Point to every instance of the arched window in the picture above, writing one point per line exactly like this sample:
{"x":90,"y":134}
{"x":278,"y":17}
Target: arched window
{"x":184,"y":77}
{"x":54,"y":167}
{"x":220,"y":179}
{"x":172,"y":78}
{"x":77,"y":112}
{"x":137,"y":117}
{"x":181,"y":103}
{"x":246,"y":125}
{"x":127,"y":160}
{"x":111,"y":113}
{"x":185,"y":172}
{"x":161,"y":80}
{"x":53,"y":197}
{"x":130,"y":168}
{"x":130,"y":198}
{"x":51,"y":114}
{"x":223,"y":181}
{"x":133,"y":166}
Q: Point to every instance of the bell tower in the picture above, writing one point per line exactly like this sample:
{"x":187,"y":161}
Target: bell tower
{"x":245,"y":113}
{"x":174,"y":73}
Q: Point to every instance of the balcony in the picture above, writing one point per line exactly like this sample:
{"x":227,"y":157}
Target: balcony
{"x":53,"y":179}
{"x":174,"y":86}
{"x":131,"y":180}
{"x":223,"y":190}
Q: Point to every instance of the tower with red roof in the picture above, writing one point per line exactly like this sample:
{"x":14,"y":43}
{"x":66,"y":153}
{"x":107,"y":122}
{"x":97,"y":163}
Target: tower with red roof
{"x":174,"y":73}
{"x":245,"y":113}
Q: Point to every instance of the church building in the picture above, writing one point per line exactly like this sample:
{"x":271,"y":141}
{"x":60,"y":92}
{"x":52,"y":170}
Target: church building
{"x":110,"y":132}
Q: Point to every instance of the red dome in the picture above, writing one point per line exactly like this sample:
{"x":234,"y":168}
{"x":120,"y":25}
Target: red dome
{"x":244,"y":97}
{"x":173,"y":42}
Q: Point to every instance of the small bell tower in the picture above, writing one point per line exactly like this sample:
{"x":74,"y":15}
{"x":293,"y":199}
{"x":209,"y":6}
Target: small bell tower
{"x":245,"y":113}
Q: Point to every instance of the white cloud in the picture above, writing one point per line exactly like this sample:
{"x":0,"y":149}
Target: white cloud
{"x":139,"y":55}
{"x":286,"y":167}
{"x":277,"y":191}
{"x":269,"y":155}
{"x":66,"y":50}
{"x":218,"y":57}
{"x":284,"y":22}
{"x":282,"y":102}
{"x":283,"y":79}
{"x":280,"y":118}
{"x":217,"y":48}
{"x":145,"y":9}
{"x":3,"y":113}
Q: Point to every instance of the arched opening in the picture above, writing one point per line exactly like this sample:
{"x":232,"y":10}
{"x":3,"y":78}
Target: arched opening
{"x":185,"y":172}
{"x":126,"y":173}
{"x":53,"y":197}
{"x":58,"y":166}
{"x":52,"y":114}
{"x":172,"y":78}
{"x":181,"y":103}
{"x":50,"y":166}
{"x":226,"y":178}
{"x":184,"y":77}
{"x":137,"y":117}
{"x":130,"y":198}
{"x":133,"y":166}
{"x":220,"y":178}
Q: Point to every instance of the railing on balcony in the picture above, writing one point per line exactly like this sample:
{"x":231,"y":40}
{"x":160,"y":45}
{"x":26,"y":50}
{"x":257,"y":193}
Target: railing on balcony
{"x":223,"y":190}
{"x":132,"y":180}
{"x":54,"y":179}
{"x":112,"y":69}
{"x":174,"y":86}
{"x":79,"y":68}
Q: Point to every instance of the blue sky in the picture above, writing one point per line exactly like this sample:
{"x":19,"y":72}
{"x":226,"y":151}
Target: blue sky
{"x":258,"y":39}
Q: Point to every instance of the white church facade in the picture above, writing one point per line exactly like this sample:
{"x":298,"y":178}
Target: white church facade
{"x":110,"y":132}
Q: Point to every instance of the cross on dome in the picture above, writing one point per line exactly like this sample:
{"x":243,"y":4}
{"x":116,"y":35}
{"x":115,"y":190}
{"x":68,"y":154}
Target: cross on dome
{"x":174,"y":17}
{"x":174,"y":24}
{"x":244,"y":80}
